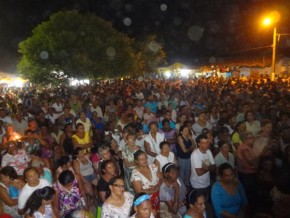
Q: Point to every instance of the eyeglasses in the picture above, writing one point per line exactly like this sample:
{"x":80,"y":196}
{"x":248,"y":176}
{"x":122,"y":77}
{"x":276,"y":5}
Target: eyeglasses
{"x":119,"y":186}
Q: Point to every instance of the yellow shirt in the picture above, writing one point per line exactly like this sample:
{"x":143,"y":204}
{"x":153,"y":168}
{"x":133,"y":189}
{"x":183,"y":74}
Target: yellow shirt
{"x":84,"y":140}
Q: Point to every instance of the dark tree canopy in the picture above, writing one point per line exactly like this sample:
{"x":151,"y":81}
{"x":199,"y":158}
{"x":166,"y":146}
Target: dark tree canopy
{"x":70,"y":44}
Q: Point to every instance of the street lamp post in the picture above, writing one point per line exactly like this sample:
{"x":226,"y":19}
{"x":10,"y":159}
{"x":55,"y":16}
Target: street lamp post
{"x":274,"y":54}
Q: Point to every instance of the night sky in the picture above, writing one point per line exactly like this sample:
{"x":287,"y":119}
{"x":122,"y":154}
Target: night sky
{"x":191,"y":31}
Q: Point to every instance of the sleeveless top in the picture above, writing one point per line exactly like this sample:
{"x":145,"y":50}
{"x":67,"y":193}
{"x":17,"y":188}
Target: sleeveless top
{"x":86,"y":169}
{"x":182,"y":154}
{"x":13,"y":211}
{"x":47,"y":213}
{"x":69,"y":200}
{"x":84,"y":140}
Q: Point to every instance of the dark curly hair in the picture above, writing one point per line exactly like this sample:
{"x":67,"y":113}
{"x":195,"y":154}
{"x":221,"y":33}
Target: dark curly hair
{"x":9,"y":171}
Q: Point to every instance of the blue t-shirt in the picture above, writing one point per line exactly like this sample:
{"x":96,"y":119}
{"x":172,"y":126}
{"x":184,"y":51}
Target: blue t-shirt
{"x":223,"y":201}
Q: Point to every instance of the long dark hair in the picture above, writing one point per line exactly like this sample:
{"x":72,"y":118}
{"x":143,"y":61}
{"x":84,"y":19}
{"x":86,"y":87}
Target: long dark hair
{"x":35,"y":200}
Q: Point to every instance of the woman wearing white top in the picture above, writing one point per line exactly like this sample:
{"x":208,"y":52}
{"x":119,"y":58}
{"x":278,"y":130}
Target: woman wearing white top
{"x":152,"y":142}
{"x":38,"y":204}
{"x":85,"y":121}
{"x":119,"y":202}
{"x":224,"y":156}
{"x":166,"y":156}
{"x":252,"y":125}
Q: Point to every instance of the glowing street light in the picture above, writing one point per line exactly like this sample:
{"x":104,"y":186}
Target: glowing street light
{"x":273,"y":19}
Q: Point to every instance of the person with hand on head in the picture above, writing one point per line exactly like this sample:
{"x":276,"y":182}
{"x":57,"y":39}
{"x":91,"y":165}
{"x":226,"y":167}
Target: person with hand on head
{"x":38,"y":204}
{"x":142,"y":206}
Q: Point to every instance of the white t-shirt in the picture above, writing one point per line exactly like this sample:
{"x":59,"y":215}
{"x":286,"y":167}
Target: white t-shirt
{"x":58,"y":107}
{"x":198,"y":129}
{"x":98,"y":110}
{"x":154,"y":144}
{"x":140,"y":142}
{"x":28,"y":190}
{"x":87,"y":124}
{"x":164,"y":160}
{"x":220,"y":159}
{"x":6,"y":120}
{"x":197,"y":157}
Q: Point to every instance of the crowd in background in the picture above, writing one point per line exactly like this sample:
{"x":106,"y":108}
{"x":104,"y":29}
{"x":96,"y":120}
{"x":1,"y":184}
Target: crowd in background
{"x":147,"y":148}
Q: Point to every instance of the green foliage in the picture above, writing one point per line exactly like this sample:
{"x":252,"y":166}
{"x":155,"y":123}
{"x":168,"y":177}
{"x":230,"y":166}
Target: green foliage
{"x":150,"y":54}
{"x":70,"y":44}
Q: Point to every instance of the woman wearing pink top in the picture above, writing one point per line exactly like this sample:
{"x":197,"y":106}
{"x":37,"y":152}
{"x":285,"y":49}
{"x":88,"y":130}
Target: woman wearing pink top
{"x":247,"y":163}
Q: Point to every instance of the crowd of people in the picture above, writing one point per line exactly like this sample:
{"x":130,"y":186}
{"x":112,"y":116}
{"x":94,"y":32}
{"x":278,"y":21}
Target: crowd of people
{"x":146,"y":148}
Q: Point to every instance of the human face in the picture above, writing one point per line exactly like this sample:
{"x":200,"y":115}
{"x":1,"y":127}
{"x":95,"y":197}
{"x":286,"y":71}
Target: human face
{"x":165,"y":150}
{"x":267,"y":128}
{"x":131,"y":140}
{"x":118,"y":187}
{"x":5,"y":179}
{"x":182,"y":119}
{"x":250,"y":139}
{"x":32,"y":177}
{"x":225,"y":148}
{"x":12,"y":149}
{"x":172,"y":175}
{"x":200,"y":204}
{"x":203,"y":145}
{"x":185,"y":131}
{"x":228,"y":176}
{"x":242,"y":128}
{"x":202,"y":117}
{"x":250,"y":116}
{"x":68,"y":186}
{"x":110,"y":169}
{"x":10,"y":129}
{"x":114,"y":145}
{"x":166,"y":125}
{"x":153,"y":128}
{"x":142,"y":160}
{"x":144,"y":210}
{"x":81,"y":129}
{"x":82,"y":115}
{"x":106,"y":154}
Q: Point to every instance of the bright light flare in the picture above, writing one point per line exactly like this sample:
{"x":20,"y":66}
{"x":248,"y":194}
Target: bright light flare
{"x":184,"y":73}
{"x":75,"y":82}
{"x":267,"y":21}
{"x":167,"y":74}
